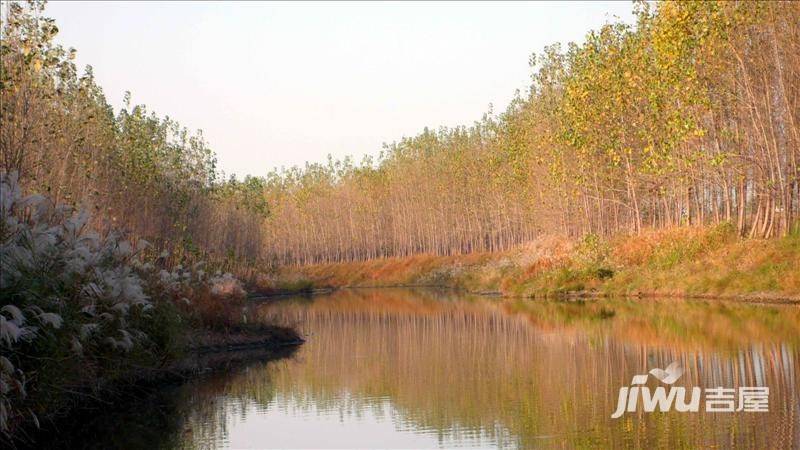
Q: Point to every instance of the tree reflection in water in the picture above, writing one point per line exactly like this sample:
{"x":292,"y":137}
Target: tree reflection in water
{"x":405,"y":368}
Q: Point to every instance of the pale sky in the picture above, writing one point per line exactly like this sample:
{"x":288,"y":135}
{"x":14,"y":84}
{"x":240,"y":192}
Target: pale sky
{"x":279,"y":84}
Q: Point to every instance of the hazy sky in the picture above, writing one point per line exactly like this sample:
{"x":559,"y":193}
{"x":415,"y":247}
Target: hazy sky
{"x":274,"y":84}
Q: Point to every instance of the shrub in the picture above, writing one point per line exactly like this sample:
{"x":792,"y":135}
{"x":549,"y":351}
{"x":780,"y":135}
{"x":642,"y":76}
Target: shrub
{"x":592,"y":250}
{"x":78,"y":307}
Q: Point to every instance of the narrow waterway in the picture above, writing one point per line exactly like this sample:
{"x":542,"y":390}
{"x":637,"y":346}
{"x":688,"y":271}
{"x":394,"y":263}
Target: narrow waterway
{"x":403,"y":368}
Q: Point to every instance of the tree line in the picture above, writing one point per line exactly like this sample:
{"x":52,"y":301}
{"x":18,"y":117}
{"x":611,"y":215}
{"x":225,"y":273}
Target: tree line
{"x":133,"y":170}
{"x":689,"y":116}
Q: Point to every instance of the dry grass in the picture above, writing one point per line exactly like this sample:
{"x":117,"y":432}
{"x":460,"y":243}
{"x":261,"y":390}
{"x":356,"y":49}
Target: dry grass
{"x":684,"y":261}
{"x":708,"y":262}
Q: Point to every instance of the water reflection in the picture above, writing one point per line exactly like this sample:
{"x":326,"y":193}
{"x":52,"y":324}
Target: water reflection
{"x":396,"y":368}
{"x":409,"y":369}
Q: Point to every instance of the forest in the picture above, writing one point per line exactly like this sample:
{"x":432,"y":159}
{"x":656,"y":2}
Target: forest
{"x":688,"y":117}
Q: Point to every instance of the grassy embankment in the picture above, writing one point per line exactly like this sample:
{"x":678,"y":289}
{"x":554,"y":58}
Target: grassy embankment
{"x":684,"y":262}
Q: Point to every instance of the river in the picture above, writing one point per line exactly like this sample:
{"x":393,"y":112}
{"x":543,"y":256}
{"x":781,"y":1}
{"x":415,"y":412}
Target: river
{"x":403,"y":368}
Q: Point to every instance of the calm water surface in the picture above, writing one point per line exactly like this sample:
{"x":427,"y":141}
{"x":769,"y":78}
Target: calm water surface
{"x":403,"y":368}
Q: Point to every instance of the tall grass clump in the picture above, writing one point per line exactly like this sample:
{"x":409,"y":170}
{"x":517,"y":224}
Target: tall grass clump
{"x":79,"y":309}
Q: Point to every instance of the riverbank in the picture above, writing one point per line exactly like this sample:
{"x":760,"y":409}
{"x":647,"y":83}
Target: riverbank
{"x":84,"y":314}
{"x":209,"y":354}
{"x":680,"y":262}
{"x":204,"y":352}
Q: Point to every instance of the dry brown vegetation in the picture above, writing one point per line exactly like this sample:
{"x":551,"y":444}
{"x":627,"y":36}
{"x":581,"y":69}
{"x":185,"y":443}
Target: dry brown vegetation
{"x":684,"y":261}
